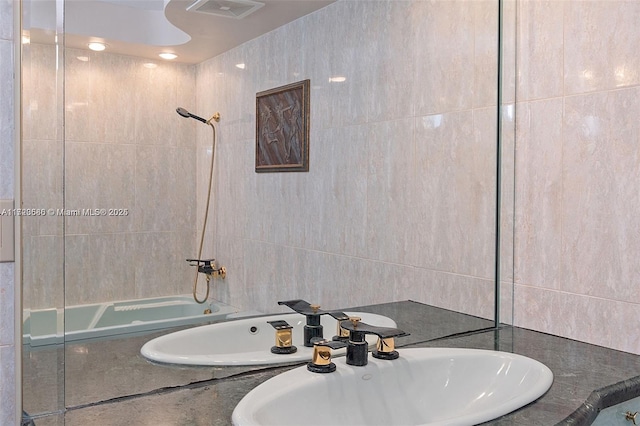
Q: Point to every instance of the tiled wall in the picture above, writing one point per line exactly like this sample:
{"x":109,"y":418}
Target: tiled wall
{"x":7,"y":125}
{"x":125,"y":148}
{"x":399,"y":199}
{"x":577,"y":172}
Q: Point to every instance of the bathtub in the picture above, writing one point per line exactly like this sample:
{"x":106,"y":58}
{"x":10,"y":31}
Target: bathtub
{"x":52,"y":326}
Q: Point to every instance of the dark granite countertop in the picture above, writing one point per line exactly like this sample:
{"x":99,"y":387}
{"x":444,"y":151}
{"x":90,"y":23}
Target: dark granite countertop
{"x":110,"y":380}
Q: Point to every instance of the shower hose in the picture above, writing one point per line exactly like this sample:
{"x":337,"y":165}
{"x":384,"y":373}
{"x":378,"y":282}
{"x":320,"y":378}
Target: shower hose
{"x":206,"y":214}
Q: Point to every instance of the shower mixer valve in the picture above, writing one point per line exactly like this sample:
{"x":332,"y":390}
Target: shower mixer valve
{"x":208,"y":267}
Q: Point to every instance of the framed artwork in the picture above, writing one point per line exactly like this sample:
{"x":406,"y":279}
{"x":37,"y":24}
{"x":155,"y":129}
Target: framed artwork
{"x":282,"y":128}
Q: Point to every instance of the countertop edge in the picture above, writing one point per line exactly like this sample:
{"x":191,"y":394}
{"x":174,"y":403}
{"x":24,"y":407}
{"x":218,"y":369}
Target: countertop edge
{"x":603,"y":398}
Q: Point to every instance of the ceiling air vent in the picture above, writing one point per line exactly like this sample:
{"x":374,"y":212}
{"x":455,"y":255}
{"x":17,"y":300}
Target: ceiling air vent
{"x":237,"y":9}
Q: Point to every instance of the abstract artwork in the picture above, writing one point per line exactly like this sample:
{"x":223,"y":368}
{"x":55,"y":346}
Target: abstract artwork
{"x":282,"y":128}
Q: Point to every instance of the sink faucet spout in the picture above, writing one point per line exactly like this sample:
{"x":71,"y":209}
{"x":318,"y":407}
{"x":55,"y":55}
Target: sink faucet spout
{"x":357,"y":348}
{"x":313,"y":328}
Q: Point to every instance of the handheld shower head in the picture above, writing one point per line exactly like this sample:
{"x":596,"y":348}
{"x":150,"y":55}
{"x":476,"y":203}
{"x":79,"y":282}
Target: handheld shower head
{"x":183,"y":112}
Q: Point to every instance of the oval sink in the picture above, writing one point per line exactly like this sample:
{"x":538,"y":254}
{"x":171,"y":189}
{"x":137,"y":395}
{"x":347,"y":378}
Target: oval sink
{"x":243,"y":342}
{"x":425,"y":386}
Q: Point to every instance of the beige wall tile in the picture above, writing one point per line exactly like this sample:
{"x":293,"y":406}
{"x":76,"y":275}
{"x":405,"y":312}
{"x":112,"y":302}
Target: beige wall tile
{"x":538,"y":212}
{"x":601,"y":40}
{"x":577,"y":159}
{"x":540,"y":50}
{"x":601,"y":229}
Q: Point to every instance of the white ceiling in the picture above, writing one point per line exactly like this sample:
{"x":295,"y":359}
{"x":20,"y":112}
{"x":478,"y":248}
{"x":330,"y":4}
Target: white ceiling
{"x":145,"y":28}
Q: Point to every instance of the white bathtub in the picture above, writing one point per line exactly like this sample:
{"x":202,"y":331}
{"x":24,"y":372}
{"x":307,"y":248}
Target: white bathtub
{"x":52,"y":326}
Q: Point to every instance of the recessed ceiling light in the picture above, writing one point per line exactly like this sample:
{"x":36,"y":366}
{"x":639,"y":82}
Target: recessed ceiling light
{"x":168,"y":56}
{"x":97,"y":46}
{"x":338,"y":79}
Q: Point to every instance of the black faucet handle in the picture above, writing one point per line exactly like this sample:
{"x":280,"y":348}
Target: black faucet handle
{"x":302,"y":307}
{"x":200,"y":262}
{"x":340,"y":316}
{"x":364,"y":328}
{"x":305,"y":308}
{"x":333,"y":344}
{"x":280,"y":325}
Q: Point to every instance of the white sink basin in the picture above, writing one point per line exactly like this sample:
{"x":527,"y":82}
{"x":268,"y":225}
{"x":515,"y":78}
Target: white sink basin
{"x":425,"y":386}
{"x":244,"y":342}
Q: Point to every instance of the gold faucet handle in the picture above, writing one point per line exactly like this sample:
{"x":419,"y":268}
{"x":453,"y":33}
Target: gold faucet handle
{"x":284,"y":338}
{"x":385,"y":349}
{"x":631,"y":416}
{"x":315,"y":308}
{"x":321,"y":359}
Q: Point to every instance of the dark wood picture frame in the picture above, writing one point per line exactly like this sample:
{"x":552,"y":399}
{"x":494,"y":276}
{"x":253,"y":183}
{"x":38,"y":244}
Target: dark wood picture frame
{"x":282,"y":128}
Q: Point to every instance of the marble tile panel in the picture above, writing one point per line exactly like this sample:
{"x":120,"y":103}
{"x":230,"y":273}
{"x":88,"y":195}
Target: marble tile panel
{"x":86,"y":89}
{"x":349,"y":52}
{"x":203,"y":174}
{"x":186,"y":98}
{"x":507,"y":302}
{"x":231,"y":194}
{"x":459,"y":293}
{"x":261,"y":278}
{"x":390,"y":234}
{"x":356,"y":281}
{"x":341,"y":194}
{"x":6,"y":20}
{"x":6,"y":120}
{"x":101,"y":176}
{"x":155,"y":264}
{"x":446,"y":80}
{"x":601,"y":39}
{"x":600,"y":224}
{"x":155,"y":105}
{"x":42,"y":183}
{"x":389,"y":282}
{"x":295,"y":38}
{"x":540,"y":57}
{"x":118,"y":91}
{"x":42,"y":96}
{"x":455,"y":157}
{"x":333,"y":281}
{"x":7,"y":298}
{"x":183,"y":188}
{"x":508,"y":192}
{"x":156,"y":199}
{"x":594,"y":320}
{"x":388,"y":35}
{"x":485,"y":60}
{"x":100,"y":267}
{"x":185,"y":248}
{"x":538,"y":231}
{"x":43,"y":272}
{"x":509,"y":41}
{"x":8,"y":403}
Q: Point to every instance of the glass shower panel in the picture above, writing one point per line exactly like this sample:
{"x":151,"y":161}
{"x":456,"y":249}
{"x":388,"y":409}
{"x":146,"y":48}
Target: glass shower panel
{"x":507,"y":82}
{"x":42,"y":190}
